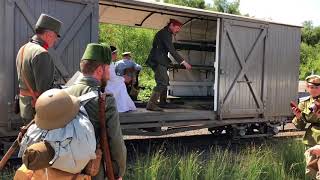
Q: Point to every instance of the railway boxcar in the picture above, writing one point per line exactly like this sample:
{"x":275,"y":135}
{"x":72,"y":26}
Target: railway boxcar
{"x":245,"y":70}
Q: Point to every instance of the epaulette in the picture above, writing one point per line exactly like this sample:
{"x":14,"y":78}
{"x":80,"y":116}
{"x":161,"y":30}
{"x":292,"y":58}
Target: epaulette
{"x":304,"y":98}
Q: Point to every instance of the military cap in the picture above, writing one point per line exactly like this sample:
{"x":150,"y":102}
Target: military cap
{"x":97,"y":52}
{"x":48,"y":22}
{"x":113,"y":49}
{"x":313,"y":79}
{"x":55,"y":109}
{"x":126,"y":53}
{"x":175,"y":22}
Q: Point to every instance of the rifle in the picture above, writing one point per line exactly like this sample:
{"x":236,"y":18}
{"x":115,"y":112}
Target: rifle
{"x":14,"y":145}
{"x":103,"y":137}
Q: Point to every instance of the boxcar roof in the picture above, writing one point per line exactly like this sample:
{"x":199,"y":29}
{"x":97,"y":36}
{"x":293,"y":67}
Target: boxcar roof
{"x":148,"y":14}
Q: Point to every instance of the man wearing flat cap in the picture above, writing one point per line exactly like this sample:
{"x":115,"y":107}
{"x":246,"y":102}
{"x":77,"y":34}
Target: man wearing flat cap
{"x":35,"y":66}
{"x":159,"y":61}
{"x":94,"y":66}
{"x":308,"y":113}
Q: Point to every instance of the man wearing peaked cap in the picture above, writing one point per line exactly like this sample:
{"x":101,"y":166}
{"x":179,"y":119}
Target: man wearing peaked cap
{"x":35,"y":66}
{"x":307,"y":112}
{"x":159,"y":61}
{"x":95,"y":68}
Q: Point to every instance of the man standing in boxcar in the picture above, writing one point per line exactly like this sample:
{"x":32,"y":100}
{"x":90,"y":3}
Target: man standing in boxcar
{"x":35,"y":67}
{"x":307,"y":112}
{"x":158,"y":60}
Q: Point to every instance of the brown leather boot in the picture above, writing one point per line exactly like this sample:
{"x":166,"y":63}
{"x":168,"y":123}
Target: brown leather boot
{"x":163,"y":98}
{"x":163,"y":101}
{"x":152,"y":104}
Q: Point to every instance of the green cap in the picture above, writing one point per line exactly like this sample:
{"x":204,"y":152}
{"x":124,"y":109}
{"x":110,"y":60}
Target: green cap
{"x":97,"y":52}
{"x":48,"y":22}
{"x":108,"y":52}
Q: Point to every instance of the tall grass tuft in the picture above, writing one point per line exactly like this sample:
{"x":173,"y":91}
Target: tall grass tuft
{"x":190,"y":166}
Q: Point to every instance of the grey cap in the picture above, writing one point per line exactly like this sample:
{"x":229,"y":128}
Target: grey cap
{"x":48,"y":22}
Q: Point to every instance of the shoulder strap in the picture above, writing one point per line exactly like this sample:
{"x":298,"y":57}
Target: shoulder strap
{"x":33,"y":94}
{"x":87,"y":97}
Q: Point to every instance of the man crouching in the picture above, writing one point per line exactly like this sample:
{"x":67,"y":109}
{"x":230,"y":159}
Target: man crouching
{"x":95,"y":68}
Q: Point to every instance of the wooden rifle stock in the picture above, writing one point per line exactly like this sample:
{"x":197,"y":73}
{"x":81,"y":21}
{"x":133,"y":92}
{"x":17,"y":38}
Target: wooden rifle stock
{"x":15,"y":145}
{"x":104,"y":139}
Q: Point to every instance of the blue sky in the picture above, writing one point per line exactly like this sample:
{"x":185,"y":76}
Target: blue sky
{"x":283,"y":11}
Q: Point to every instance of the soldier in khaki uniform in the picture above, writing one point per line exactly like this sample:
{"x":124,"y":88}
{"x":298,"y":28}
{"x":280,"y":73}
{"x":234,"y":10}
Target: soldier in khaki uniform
{"x":95,"y":68}
{"x":35,"y":67}
{"x":305,"y":114}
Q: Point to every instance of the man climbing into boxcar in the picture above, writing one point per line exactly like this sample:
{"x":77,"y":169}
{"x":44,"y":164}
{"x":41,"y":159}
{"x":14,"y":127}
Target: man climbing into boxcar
{"x":35,"y":66}
{"x":308,"y":112}
{"x":158,"y":61}
{"x":95,"y":68}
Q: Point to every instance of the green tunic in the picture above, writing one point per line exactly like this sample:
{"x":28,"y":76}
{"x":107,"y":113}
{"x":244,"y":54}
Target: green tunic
{"x":38,"y":68}
{"x":312,"y":135}
{"x":117,"y":147}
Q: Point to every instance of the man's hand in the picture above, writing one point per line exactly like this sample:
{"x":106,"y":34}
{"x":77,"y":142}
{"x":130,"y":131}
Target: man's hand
{"x":297,"y":112}
{"x":119,"y":178}
{"x":187,"y":65}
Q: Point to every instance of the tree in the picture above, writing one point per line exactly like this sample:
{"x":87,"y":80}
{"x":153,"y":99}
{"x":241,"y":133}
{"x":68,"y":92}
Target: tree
{"x":310,"y":34}
{"x":226,"y":6}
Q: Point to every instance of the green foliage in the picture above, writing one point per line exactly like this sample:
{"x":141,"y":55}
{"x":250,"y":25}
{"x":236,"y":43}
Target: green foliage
{"x":310,"y":34}
{"x":190,"y":3}
{"x":136,"y":40}
{"x":227,"y":6}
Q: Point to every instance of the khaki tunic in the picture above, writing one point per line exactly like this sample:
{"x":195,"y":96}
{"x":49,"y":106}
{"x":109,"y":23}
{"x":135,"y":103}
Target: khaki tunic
{"x":312,"y":135}
{"x":38,"y":68}
{"x":117,"y":147}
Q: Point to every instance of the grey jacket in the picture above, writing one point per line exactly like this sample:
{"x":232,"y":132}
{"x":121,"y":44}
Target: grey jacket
{"x":162,"y":44}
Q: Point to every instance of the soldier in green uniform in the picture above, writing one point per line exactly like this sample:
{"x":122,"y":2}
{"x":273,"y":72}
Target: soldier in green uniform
{"x":158,"y":61}
{"x":35,"y":67}
{"x":307,"y":113}
{"x":95,"y":68}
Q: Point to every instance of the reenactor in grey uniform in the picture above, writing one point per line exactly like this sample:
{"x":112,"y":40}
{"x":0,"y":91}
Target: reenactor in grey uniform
{"x":95,"y":68}
{"x":308,"y":113}
{"x":158,"y":60}
{"x":35,"y":66}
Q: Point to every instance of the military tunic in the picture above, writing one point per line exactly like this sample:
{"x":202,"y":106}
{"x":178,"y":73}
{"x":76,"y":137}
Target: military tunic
{"x":312,"y":135}
{"x":158,"y":58}
{"x":117,"y":147}
{"x":38,"y":68}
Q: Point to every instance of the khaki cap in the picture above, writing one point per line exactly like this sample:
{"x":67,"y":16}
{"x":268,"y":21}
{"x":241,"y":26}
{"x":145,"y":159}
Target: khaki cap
{"x":313,"y":79}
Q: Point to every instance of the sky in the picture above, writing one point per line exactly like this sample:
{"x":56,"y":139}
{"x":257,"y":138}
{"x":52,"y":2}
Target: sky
{"x":283,"y":11}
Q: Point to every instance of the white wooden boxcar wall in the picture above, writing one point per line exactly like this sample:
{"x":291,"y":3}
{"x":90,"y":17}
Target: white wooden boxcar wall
{"x":195,"y":82}
{"x":17,"y":19}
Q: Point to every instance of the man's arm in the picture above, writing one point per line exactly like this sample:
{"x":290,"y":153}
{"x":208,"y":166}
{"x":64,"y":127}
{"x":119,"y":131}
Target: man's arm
{"x":117,"y":147}
{"x":299,"y":120}
{"x":43,"y":70}
{"x":166,"y":38}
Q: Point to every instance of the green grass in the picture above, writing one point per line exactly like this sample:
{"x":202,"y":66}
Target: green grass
{"x":280,"y":160}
